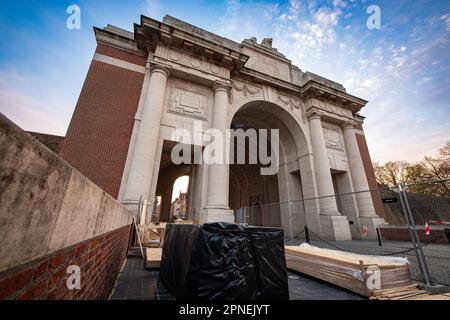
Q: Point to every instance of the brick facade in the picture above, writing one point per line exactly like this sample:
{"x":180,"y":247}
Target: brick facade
{"x":100,"y":260}
{"x":120,"y":54}
{"x":370,"y":174}
{"x":99,"y":133}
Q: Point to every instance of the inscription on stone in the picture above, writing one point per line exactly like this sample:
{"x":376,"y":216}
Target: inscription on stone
{"x":188,"y":60}
{"x":267,"y":65}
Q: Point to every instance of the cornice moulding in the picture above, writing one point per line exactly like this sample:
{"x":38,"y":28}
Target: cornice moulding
{"x":118,"y":41}
{"x":150,"y":32}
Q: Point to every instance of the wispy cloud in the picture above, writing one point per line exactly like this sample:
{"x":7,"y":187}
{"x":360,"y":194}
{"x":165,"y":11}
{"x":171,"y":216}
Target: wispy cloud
{"x":153,"y":8}
{"x":402,"y":69}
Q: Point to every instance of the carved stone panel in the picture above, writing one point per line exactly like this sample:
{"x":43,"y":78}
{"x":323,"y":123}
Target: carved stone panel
{"x":332,"y":138}
{"x":294,"y":105}
{"x":241,"y":90}
{"x":330,"y":109}
{"x":189,"y":100}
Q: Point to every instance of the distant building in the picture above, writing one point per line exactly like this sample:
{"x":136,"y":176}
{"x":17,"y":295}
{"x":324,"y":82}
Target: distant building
{"x":178,"y":207}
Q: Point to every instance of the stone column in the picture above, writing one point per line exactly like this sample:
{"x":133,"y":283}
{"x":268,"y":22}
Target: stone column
{"x":333,"y":225}
{"x":190,"y":203}
{"x":322,"y":166}
{"x":166,"y":202}
{"x":143,"y":157}
{"x":218,"y":180}
{"x":367,"y":215}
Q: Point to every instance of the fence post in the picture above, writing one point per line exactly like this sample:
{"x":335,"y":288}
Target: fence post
{"x":414,"y":236}
{"x":138,"y":213}
{"x":380,"y":243}
{"x":307,"y":234}
{"x":244,"y":214}
{"x":290,"y":221}
{"x":137,"y":219}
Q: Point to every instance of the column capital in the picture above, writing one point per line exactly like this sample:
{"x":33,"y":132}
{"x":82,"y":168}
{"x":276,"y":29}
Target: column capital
{"x":314,"y":114}
{"x":219,"y":85}
{"x":348,"y":125}
{"x":165,"y":70}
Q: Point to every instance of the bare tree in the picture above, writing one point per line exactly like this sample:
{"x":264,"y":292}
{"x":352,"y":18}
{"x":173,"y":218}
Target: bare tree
{"x":431,"y":168}
{"x":391,"y":173}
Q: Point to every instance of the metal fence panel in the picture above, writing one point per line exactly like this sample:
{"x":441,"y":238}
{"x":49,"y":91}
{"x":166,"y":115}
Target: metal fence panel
{"x":407,"y":211}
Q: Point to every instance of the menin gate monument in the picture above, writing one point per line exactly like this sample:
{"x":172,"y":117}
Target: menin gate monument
{"x":143,"y":85}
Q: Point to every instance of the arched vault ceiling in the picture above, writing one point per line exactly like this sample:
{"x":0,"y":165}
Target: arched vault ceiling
{"x":263,"y":114}
{"x":260,"y":119}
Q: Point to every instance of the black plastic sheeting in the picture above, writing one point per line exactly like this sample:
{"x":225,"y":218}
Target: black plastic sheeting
{"x":224,"y":261}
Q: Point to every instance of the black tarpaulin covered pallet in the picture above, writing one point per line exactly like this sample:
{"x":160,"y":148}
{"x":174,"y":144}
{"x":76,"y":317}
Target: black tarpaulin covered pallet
{"x":224,"y":261}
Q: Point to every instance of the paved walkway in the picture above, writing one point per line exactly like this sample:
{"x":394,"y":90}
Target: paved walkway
{"x":137,"y":283}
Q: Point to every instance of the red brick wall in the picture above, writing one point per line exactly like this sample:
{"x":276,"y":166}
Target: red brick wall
{"x":368,"y":168}
{"x":402,"y":234}
{"x":99,"y":133}
{"x":99,"y":259}
{"x":120,"y":54}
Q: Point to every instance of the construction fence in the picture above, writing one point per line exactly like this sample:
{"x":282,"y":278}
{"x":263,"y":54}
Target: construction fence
{"x":416,"y":225}
{"x":143,"y":209}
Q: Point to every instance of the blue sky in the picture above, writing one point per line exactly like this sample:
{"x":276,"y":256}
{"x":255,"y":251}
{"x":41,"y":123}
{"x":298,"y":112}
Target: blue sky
{"x":403,"y":69}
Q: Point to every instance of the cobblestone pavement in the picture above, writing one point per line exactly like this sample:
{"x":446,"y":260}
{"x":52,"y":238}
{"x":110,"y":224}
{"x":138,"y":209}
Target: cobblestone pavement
{"x":137,"y":283}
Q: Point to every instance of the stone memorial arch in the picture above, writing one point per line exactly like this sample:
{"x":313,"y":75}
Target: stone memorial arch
{"x":144,"y":85}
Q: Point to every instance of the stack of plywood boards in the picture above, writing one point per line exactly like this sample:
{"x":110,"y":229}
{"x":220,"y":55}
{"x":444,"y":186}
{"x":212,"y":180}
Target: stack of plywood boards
{"x":348,"y":270}
{"x":426,"y":296}
{"x":411,"y":292}
{"x":152,"y":235}
{"x":186,"y":222}
{"x":153,"y":257}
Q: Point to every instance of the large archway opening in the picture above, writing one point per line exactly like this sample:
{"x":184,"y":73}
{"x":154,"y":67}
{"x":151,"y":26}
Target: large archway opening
{"x":178,"y":208}
{"x":269,"y":200}
{"x":172,"y":183}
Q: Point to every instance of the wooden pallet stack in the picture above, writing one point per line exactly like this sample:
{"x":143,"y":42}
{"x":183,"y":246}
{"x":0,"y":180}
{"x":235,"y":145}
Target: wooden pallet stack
{"x":348,"y":270}
{"x":152,"y":234}
{"x":411,"y":292}
{"x":153,"y":257}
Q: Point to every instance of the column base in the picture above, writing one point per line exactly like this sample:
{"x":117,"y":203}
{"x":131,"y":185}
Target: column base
{"x":334,"y":228}
{"x":371,"y":223}
{"x":218,"y":215}
{"x":355,"y":230}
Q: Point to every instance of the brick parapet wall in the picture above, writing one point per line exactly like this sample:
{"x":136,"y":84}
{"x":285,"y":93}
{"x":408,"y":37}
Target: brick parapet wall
{"x":52,"y":216}
{"x":100,"y":260}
